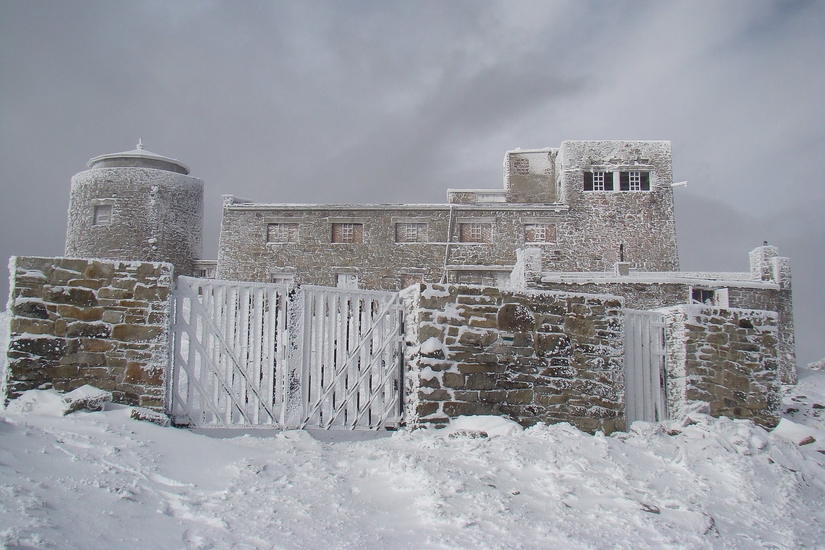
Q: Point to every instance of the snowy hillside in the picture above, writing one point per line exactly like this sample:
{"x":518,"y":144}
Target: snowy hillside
{"x":102,"y":480}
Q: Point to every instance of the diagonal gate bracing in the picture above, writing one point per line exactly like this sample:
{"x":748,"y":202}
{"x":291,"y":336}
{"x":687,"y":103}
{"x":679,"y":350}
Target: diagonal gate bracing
{"x":267,"y":355}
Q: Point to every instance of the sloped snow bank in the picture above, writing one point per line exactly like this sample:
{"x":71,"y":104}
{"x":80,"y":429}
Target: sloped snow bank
{"x":102,"y":480}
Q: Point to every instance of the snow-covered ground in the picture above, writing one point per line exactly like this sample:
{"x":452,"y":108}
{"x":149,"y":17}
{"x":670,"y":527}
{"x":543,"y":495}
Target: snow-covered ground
{"x":103,"y":480}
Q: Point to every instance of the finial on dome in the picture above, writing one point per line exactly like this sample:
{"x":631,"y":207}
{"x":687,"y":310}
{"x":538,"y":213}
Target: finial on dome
{"x":140,"y":144}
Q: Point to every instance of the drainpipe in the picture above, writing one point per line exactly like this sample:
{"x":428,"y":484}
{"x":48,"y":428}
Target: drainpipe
{"x":447,"y":245}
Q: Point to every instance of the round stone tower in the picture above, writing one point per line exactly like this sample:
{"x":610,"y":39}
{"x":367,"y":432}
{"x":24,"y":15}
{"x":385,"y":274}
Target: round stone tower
{"x":136,"y":205}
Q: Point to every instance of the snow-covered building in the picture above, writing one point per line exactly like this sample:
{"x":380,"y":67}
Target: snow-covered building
{"x":557,"y":297}
{"x":585,"y":206}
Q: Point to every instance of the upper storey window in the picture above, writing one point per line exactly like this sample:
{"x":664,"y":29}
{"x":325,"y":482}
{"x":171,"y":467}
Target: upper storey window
{"x":475,"y":232}
{"x":348,"y":233}
{"x":103,"y":214}
{"x":521,"y":166}
{"x":598,"y":181}
{"x":411,"y":232}
{"x":282,"y":233}
{"x":634,"y":181}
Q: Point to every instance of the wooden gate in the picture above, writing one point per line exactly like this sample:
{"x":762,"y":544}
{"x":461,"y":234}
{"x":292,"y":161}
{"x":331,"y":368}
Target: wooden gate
{"x":645,"y":374}
{"x":267,"y":355}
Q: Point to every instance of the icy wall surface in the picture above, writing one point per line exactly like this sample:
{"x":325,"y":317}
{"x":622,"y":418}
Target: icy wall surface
{"x":726,"y":358}
{"x":98,"y":322}
{"x":156,"y":216}
{"x":535,"y":357}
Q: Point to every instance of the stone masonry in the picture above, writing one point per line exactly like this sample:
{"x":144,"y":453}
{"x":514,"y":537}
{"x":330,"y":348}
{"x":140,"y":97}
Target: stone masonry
{"x":98,"y":322}
{"x":725,"y":358}
{"x":535,"y":357}
{"x":546,"y":203}
{"x":767,"y":286}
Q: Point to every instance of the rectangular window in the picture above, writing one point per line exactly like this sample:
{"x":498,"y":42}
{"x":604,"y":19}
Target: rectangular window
{"x":411,"y":232}
{"x":346,"y":280}
{"x":282,"y":233}
{"x":598,"y":180}
{"x":521,"y":166}
{"x":710,"y":296}
{"x":539,"y":233}
{"x":475,"y":232}
{"x":634,"y":181}
{"x":352,"y":233}
{"x":282,"y":279}
{"x":103,"y":214}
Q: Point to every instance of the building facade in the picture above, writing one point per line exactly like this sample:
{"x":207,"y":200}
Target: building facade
{"x":585,"y":205}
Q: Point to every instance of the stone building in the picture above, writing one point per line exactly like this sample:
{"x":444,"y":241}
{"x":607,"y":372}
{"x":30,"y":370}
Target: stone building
{"x":585,"y":205}
{"x":136,"y":205}
{"x":555,"y":298}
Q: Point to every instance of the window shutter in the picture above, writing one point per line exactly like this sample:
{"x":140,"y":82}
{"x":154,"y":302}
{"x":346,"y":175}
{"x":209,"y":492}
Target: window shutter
{"x":608,"y":181}
{"x":624,"y":181}
{"x":645,"y":181}
{"x":588,"y":181}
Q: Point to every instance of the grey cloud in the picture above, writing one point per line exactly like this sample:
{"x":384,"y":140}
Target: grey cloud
{"x":396,"y":101}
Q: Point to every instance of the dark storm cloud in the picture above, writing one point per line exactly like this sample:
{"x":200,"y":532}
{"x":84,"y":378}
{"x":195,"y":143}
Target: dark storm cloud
{"x":396,"y":101}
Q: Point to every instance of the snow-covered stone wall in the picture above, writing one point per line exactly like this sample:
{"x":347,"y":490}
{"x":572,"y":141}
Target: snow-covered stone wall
{"x":535,"y":357}
{"x":767,"y":287}
{"x":79,"y":321}
{"x":613,"y":225}
{"x":723,"y":360}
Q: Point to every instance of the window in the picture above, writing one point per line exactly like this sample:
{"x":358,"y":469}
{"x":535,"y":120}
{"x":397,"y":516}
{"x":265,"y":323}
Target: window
{"x":282,"y":279}
{"x":539,"y":233}
{"x":598,"y":181}
{"x":346,"y":280}
{"x":521,"y":166}
{"x":710,"y":296}
{"x":282,"y":233}
{"x":475,"y":232}
{"x":347,"y":233}
{"x":103,"y":214}
{"x":411,"y":232}
{"x":634,"y":181}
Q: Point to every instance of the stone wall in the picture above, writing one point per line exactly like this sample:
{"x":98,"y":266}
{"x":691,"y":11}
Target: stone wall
{"x":98,"y":322}
{"x":726,"y":358}
{"x":766,"y":287}
{"x":606,"y":225}
{"x":537,"y":356}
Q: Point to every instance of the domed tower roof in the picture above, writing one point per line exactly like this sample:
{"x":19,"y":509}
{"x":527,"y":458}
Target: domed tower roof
{"x":138,"y":158}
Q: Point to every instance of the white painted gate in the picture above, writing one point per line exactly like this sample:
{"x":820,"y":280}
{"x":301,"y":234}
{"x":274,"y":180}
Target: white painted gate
{"x":268,"y":355}
{"x":645,"y":374}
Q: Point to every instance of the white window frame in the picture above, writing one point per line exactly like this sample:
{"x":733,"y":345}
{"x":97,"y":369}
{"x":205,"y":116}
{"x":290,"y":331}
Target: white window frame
{"x":634,"y":181}
{"x":598,"y":180}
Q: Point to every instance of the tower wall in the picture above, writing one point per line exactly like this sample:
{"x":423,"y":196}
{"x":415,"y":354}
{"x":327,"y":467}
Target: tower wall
{"x":136,"y":213}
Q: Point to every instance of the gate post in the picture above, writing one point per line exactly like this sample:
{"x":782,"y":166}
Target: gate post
{"x":292,"y":412}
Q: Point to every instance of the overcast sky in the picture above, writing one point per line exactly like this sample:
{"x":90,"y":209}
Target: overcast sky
{"x":397,"y":101}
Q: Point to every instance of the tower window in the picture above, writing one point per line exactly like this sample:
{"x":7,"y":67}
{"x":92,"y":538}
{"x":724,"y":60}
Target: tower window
{"x":103,"y":214}
{"x":347,"y":233}
{"x":634,"y":181}
{"x":598,"y":180}
{"x":521,"y":166}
